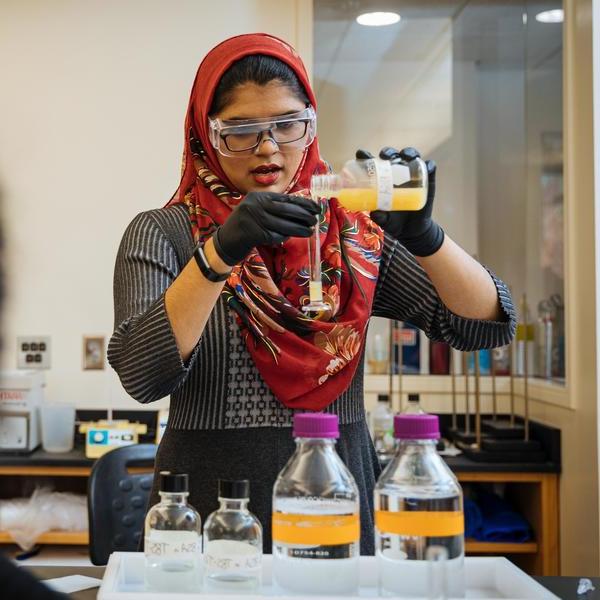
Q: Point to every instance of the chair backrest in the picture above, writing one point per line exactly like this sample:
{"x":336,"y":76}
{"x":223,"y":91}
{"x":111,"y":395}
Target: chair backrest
{"x":117,"y":500}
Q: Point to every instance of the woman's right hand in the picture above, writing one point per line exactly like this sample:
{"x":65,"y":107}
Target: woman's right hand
{"x":264,"y":219}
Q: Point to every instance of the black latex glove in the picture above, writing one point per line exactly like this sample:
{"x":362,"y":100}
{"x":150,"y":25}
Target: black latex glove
{"x":415,"y":230}
{"x":264,"y":219}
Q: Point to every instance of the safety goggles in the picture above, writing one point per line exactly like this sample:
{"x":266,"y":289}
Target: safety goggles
{"x":241,"y":137}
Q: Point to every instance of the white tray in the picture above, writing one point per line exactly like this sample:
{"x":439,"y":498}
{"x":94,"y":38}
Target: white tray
{"x":487,"y":577}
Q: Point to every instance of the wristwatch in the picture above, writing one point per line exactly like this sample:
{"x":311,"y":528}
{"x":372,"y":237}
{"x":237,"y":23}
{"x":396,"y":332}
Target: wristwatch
{"x":205,"y":267}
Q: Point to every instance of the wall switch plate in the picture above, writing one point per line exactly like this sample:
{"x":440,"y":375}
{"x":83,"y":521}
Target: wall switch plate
{"x":33,"y":352}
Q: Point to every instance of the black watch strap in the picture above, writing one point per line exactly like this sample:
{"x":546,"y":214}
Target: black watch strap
{"x":205,"y":267}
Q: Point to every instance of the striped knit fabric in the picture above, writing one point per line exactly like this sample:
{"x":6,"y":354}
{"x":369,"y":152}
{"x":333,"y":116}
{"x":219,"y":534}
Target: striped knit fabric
{"x":219,"y":386}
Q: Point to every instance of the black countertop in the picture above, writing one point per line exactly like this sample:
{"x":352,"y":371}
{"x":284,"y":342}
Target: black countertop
{"x":459,"y":464}
{"x":462,"y":464}
{"x":566,"y":587}
{"x":40,"y":458}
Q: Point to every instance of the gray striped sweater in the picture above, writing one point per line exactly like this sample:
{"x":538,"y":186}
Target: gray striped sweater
{"x":219,"y":387}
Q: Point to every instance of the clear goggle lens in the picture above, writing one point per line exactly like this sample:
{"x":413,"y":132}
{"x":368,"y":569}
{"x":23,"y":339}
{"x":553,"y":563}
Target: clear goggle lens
{"x":242,"y":137}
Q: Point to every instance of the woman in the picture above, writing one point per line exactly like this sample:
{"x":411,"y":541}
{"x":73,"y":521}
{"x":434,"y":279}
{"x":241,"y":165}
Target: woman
{"x":208,"y":289}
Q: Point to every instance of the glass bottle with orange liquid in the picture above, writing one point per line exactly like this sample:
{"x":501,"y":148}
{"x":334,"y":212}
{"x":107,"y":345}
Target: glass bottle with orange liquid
{"x":365,"y":185}
{"x":418,"y":506}
{"x":316,"y":515}
{"x":375,"y":184}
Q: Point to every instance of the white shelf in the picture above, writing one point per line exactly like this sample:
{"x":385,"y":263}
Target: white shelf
{"x":437,"y":390}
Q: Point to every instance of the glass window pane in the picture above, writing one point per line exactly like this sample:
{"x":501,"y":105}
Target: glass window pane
{"x":476,"y":86}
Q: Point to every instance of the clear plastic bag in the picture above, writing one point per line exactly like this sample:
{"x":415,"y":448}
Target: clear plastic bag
{"x":27,"y":518}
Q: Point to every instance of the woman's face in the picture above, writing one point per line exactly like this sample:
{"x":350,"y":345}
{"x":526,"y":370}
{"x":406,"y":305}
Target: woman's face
{"x":267,"y":169}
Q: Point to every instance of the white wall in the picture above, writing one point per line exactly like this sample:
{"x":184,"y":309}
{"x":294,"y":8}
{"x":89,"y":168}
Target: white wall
{"x":91,"y":127}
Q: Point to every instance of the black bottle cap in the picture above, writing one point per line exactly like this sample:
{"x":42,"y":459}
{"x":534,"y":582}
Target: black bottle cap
{"x":173,"y":483}
{"x":413,"y":397}
{"x":234,"y":489}
{"x":383,"y":398}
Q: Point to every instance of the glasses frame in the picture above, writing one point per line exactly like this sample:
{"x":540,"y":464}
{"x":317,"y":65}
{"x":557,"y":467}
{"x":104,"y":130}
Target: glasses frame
{"x":219,"y":129}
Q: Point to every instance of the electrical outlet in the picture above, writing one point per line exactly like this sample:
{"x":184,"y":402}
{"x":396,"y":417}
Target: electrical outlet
{"x":33,"y":352}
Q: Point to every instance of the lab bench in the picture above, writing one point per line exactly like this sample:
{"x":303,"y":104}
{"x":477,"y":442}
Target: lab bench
{"x":533,"y":489}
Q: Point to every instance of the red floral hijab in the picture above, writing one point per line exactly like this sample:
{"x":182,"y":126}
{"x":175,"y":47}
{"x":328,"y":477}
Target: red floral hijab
{"x":306,"y":363}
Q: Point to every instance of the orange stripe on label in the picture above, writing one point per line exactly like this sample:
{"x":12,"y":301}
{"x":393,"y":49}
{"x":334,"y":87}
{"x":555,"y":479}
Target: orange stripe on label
{"x":321,"y":530}
{"x":421,"y":523}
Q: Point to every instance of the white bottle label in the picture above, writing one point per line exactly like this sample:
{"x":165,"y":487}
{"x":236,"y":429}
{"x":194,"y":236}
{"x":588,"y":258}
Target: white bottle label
{"x":385,"y":184}
{"x":230,"y":555}
{"x":172,"y":544}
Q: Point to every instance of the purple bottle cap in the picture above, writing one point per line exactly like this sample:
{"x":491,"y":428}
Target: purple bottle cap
{"x":316,"y":425}
{"x":416,"y":427}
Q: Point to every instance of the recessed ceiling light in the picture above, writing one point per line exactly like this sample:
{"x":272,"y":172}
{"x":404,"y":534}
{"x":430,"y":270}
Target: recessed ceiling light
{"x":378,"y":19}
{"x":550,"y":16}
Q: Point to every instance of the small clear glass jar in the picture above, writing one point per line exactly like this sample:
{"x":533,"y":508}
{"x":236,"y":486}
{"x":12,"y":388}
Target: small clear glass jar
{"x":413,"y":406}
{"x":173,"y":539}
{"x":383,"y":427}
{"x":232,"y":542}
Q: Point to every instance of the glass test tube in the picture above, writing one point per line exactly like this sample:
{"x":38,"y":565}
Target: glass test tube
{"x":315,"y":284}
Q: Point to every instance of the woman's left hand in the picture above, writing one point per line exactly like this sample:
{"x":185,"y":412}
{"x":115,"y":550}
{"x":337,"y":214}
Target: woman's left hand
{"x":415,"y":230}
{"x":462,"y":284}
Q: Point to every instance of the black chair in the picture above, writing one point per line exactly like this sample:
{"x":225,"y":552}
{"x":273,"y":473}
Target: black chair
{"x":117,"y":500}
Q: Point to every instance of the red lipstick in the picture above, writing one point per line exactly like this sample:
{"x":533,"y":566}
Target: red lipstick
{"x":266,"y":174}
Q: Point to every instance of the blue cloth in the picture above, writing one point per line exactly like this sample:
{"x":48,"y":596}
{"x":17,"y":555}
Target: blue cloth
{"x":491,"y":519}
{"x":473,"y":519}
